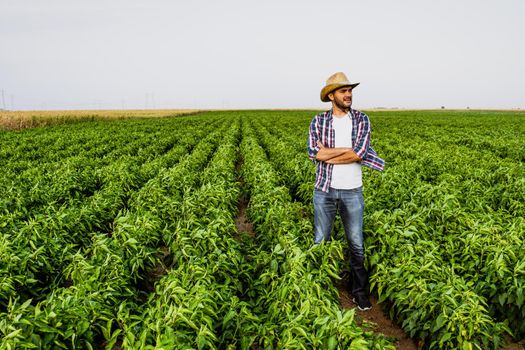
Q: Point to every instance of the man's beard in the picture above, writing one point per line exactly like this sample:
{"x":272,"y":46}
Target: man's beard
{"x":342,"y":106}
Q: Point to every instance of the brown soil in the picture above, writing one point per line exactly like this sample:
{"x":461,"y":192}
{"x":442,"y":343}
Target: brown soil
{"x":155,"y":273}
{"x":241,"y":220}
{"x":514,"y":346}
{"x":242,"y":223}
{"x":380,"y":322}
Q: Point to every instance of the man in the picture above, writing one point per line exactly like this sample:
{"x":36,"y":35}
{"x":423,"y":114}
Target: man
{"x":339,"y":144}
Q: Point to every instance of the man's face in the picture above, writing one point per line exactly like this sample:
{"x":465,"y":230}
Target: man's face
{"x":342,"y":97}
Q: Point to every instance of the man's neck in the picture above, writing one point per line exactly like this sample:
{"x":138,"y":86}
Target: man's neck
{"x":338,"y":112}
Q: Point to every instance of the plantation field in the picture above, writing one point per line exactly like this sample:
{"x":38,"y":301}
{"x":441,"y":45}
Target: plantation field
{"x":121,"y":234}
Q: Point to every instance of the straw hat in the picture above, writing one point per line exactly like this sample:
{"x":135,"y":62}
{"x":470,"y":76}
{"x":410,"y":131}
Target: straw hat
{"x":334,"y":82}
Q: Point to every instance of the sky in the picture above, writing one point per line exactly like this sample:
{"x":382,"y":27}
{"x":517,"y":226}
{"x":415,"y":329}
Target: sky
{"x":233,"y":54}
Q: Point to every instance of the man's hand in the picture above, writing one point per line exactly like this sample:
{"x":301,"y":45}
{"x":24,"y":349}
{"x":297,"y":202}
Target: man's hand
{"x":338,"y":155}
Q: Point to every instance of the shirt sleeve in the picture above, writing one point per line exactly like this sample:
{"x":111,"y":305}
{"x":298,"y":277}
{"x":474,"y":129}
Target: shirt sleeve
{"x":313,"y":136}
{"x":362,"y":142}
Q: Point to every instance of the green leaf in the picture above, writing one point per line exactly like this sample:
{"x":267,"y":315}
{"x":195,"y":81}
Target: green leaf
{"x":438,"y":323}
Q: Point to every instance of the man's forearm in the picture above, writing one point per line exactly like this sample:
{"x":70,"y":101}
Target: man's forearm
{"x":345,"y":158}
{"x":325,"y":153}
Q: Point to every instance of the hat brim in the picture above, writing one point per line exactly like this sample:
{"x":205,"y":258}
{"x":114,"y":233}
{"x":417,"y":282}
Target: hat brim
{"x":331,"y":87}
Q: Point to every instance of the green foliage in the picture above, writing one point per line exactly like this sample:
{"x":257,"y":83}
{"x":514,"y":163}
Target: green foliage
{"x":122,"y":234}
{"x":444,"y":223}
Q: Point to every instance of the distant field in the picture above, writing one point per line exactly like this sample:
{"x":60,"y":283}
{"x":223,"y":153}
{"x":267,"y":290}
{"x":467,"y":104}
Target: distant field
{"x":123,"y":235}
{"x":29,"y":119}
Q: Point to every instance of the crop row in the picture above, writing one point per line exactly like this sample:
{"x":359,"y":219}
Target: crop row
{"x":295,"y":289}
{"x":198,"y":303}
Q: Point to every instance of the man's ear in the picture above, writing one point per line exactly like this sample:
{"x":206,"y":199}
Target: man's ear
{"x":331,"y":96}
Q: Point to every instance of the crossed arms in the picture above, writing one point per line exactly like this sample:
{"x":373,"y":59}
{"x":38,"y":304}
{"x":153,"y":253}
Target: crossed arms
{"x":337,"y":155}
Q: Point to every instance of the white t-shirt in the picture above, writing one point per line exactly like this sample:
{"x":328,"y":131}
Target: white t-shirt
{"x":345,"y":176}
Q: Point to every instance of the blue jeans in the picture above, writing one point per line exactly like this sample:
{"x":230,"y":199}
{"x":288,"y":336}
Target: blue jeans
{"x":351,"y":205}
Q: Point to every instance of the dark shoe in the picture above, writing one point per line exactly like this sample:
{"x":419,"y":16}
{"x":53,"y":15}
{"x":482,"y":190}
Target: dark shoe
{"x":363,"y":304}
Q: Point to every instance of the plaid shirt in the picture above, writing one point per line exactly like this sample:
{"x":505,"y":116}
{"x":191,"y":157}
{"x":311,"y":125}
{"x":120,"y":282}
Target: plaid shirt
{"x":321,"y":129}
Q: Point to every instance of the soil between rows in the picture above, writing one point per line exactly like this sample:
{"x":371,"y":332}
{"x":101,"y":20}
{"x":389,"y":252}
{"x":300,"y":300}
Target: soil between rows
{"x":242,"y":223}
{"x":382,"y":324}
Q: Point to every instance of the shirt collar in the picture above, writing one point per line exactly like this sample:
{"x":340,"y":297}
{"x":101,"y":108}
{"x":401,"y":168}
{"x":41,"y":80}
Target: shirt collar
{"x":330,"y":116}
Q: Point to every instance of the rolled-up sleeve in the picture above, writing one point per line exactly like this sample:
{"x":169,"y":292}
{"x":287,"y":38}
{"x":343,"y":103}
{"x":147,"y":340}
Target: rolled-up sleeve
{"x":313,"y":137}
